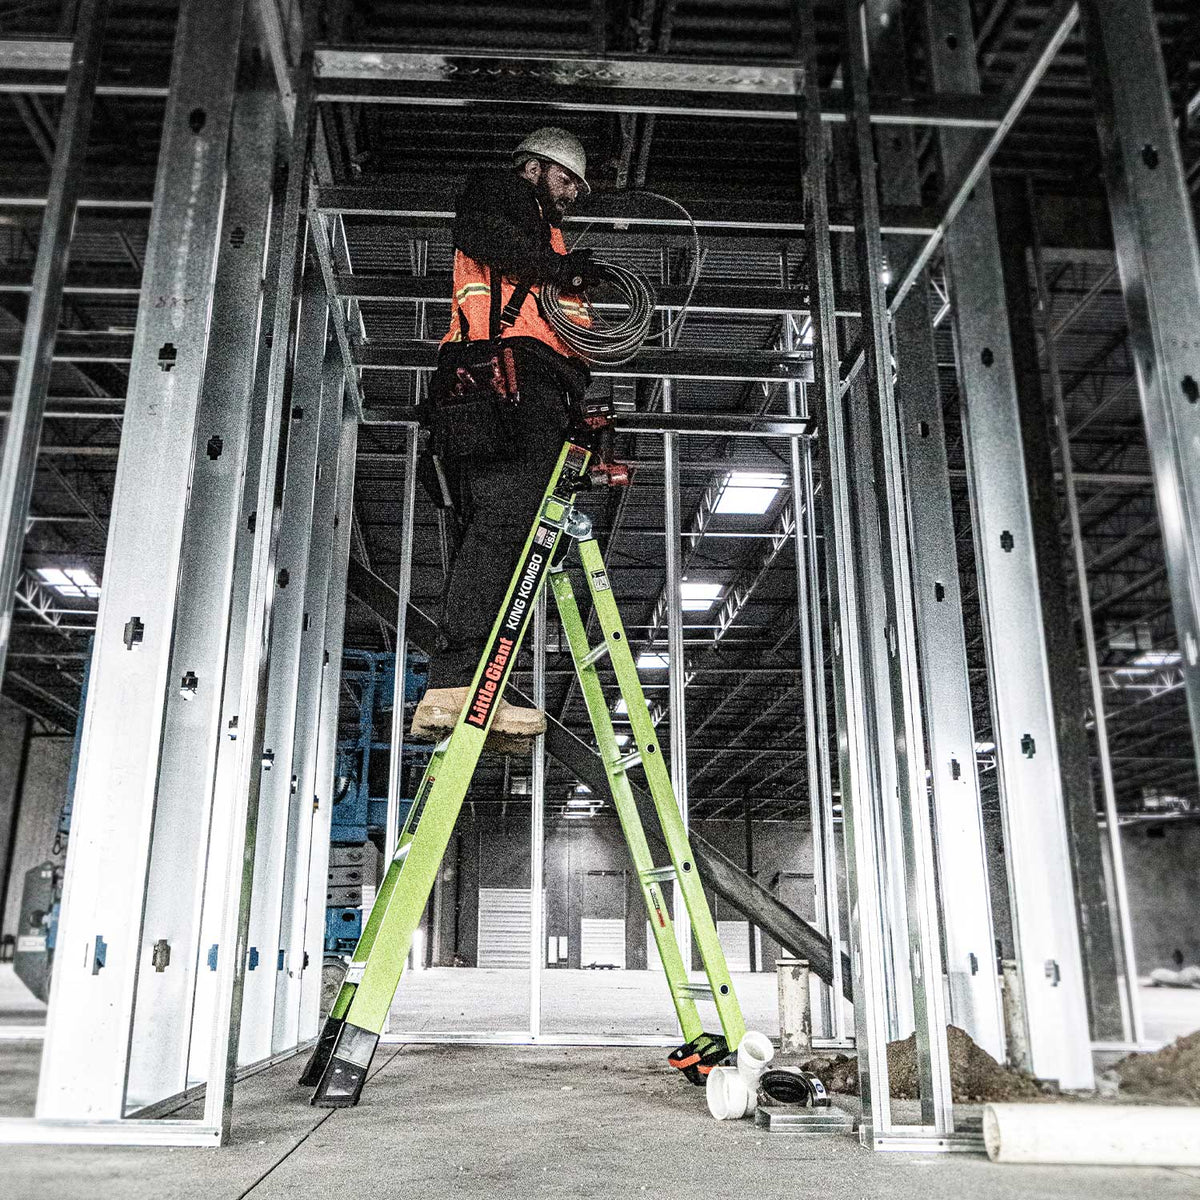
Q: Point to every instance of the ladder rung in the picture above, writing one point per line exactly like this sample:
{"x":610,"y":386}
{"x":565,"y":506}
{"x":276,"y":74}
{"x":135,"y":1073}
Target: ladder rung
{"x":657,"y":875}
{"x":595,"y":654}
{"x":695,"y":991}
{"x":632,"y":759}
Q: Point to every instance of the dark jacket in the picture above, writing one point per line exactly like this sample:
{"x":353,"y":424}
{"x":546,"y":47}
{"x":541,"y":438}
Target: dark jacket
{"x":499,"y":223}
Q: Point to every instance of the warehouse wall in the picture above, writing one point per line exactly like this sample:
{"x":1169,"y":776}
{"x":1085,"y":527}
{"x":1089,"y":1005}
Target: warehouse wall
{"x":38,"y":808}
{"x":490,"y":849}
{"x":1162,"y":872}
{"x":13,"y":727}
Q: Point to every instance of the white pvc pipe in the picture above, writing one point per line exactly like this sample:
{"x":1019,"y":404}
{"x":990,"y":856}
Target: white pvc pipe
{"x":1101,"y":1135}
{"x":729,"y":1099}
{"x":753,"y":1053}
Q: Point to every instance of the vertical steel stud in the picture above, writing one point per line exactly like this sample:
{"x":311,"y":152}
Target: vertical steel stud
{"x":1045,"y":928}
{"x":1159,"y":264}
{"x":175,"y":882}
{"x":974,"y":982}
{"x":23,"y":431}
{"x":278,"y":809}
{"x":88,"y":1026}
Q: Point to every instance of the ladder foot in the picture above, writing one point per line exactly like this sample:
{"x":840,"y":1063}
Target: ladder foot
{"x":322,"y":1052}
{"x":698,"y":1057}
{"x":341,"y":1082}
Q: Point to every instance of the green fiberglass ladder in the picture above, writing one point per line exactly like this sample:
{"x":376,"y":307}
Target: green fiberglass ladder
{"x":338,"y":1066}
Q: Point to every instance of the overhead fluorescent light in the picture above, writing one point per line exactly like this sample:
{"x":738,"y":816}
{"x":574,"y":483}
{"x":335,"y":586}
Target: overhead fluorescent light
{"x":695,"y":596}
{"x":582,"y":789}
{"x":652,"y":660}
{"x":749,"y":492}
{"x":1157,"y":658}
{"x":71,"y":581}
{"x":622,"y":739}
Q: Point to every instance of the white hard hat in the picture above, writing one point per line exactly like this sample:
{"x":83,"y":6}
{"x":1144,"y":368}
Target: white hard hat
{"x":557,"y":146}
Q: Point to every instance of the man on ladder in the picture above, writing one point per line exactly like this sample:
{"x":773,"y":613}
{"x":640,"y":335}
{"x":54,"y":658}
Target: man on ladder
{"x":507,"y":409}
{"x":494,"y":455}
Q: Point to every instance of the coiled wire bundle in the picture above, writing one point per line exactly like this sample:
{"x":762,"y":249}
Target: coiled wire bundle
{"x":611,"y":342}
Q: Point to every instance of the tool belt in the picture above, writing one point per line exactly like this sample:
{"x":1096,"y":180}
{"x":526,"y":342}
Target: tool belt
{"x":697,"y":1058}
{"x":474,"y":393}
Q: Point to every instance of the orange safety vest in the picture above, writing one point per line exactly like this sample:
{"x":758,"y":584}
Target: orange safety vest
{"x":473,"y":300}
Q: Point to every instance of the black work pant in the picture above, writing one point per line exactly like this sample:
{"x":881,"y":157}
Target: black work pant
{"x":500,"y":500}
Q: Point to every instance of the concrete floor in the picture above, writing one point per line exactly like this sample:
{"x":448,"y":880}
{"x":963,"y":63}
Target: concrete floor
{"x":441,"y":1120}
{"x":467,"y":1121}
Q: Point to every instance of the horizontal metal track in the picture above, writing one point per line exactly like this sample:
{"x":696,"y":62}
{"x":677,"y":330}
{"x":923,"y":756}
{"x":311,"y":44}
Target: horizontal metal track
{"x":750,"y":366}
{"x":436,"y":289}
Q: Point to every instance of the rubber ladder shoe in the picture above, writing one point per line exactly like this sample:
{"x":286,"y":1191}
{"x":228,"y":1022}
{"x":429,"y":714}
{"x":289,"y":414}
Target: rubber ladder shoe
{"x":512,"y":731}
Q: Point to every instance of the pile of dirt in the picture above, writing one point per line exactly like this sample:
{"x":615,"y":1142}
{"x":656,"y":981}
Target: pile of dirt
{"x":974,"y":1074}
{"x":1172,"y":1073}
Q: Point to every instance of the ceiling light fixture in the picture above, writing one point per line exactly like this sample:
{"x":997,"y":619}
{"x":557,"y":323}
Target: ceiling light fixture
{"x":695,"y":596}
{"x":72,"y":581}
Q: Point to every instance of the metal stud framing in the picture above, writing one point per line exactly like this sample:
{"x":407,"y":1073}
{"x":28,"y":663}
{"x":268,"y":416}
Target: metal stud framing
{"x":172,"y":953}
{"x":851,"y":678}
{"x":974,"y":983}
{"x":331,"y":680}
{"x":300,"y":851}
{"x":924,"y":959}
{"x":91,"y":1007}
{"x":1159,"y":265}
{"x":1038,"y":859}
{"x":185,"y":573}
{"x":277,"y":808}
{"x":24,"y":428}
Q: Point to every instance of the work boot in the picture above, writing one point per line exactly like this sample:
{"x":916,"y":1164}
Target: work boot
{"x":512,"y":731}
{"x":437,"y":714}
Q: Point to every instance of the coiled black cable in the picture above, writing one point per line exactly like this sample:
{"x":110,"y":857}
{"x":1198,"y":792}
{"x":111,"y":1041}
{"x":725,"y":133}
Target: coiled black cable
{"x":611,"y":342}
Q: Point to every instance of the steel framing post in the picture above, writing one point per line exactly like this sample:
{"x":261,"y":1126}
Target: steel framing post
{"x":1100,"y":971}
{"x":889,"y":863}
{"x":228,"y":809}
{"x":22,"y":435}
{"x":1045,"y":928}
{"x":1159,"y":266}
{"x":170,"y":960}
{"x":676,"y":664}
{"x":331,"y":683}
{"x":278,"y":815}
{"x":246,"y":777}
{"x":403,"y":588}
{"x":1131,"y":1014}
{"x":301,"y":821}
{"x":85,"y":1061}
{"x":924,"y":926}
{"x":537,"y":835}
{"x":974,"y":982}
{"x":852,"y":683}
{"x":831,"y":1013}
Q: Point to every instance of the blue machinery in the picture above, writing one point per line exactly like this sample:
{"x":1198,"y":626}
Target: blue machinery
{"x":360,"y":789}
{"x":359,"y":809}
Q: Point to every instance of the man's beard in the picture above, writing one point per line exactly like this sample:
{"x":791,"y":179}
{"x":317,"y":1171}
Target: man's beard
{"x":555,"y":209}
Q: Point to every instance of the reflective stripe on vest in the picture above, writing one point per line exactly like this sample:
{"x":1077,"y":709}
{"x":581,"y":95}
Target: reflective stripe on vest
{"x":473,"y":299}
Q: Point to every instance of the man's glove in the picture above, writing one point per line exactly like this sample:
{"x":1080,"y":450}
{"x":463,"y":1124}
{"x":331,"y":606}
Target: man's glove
{"x":576,"y":272}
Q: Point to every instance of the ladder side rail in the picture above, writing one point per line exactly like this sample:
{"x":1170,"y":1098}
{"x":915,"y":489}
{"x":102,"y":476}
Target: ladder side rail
{"x":622,"y":795}
{"x":658,"y":777}
{"x":347,"y":1044}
